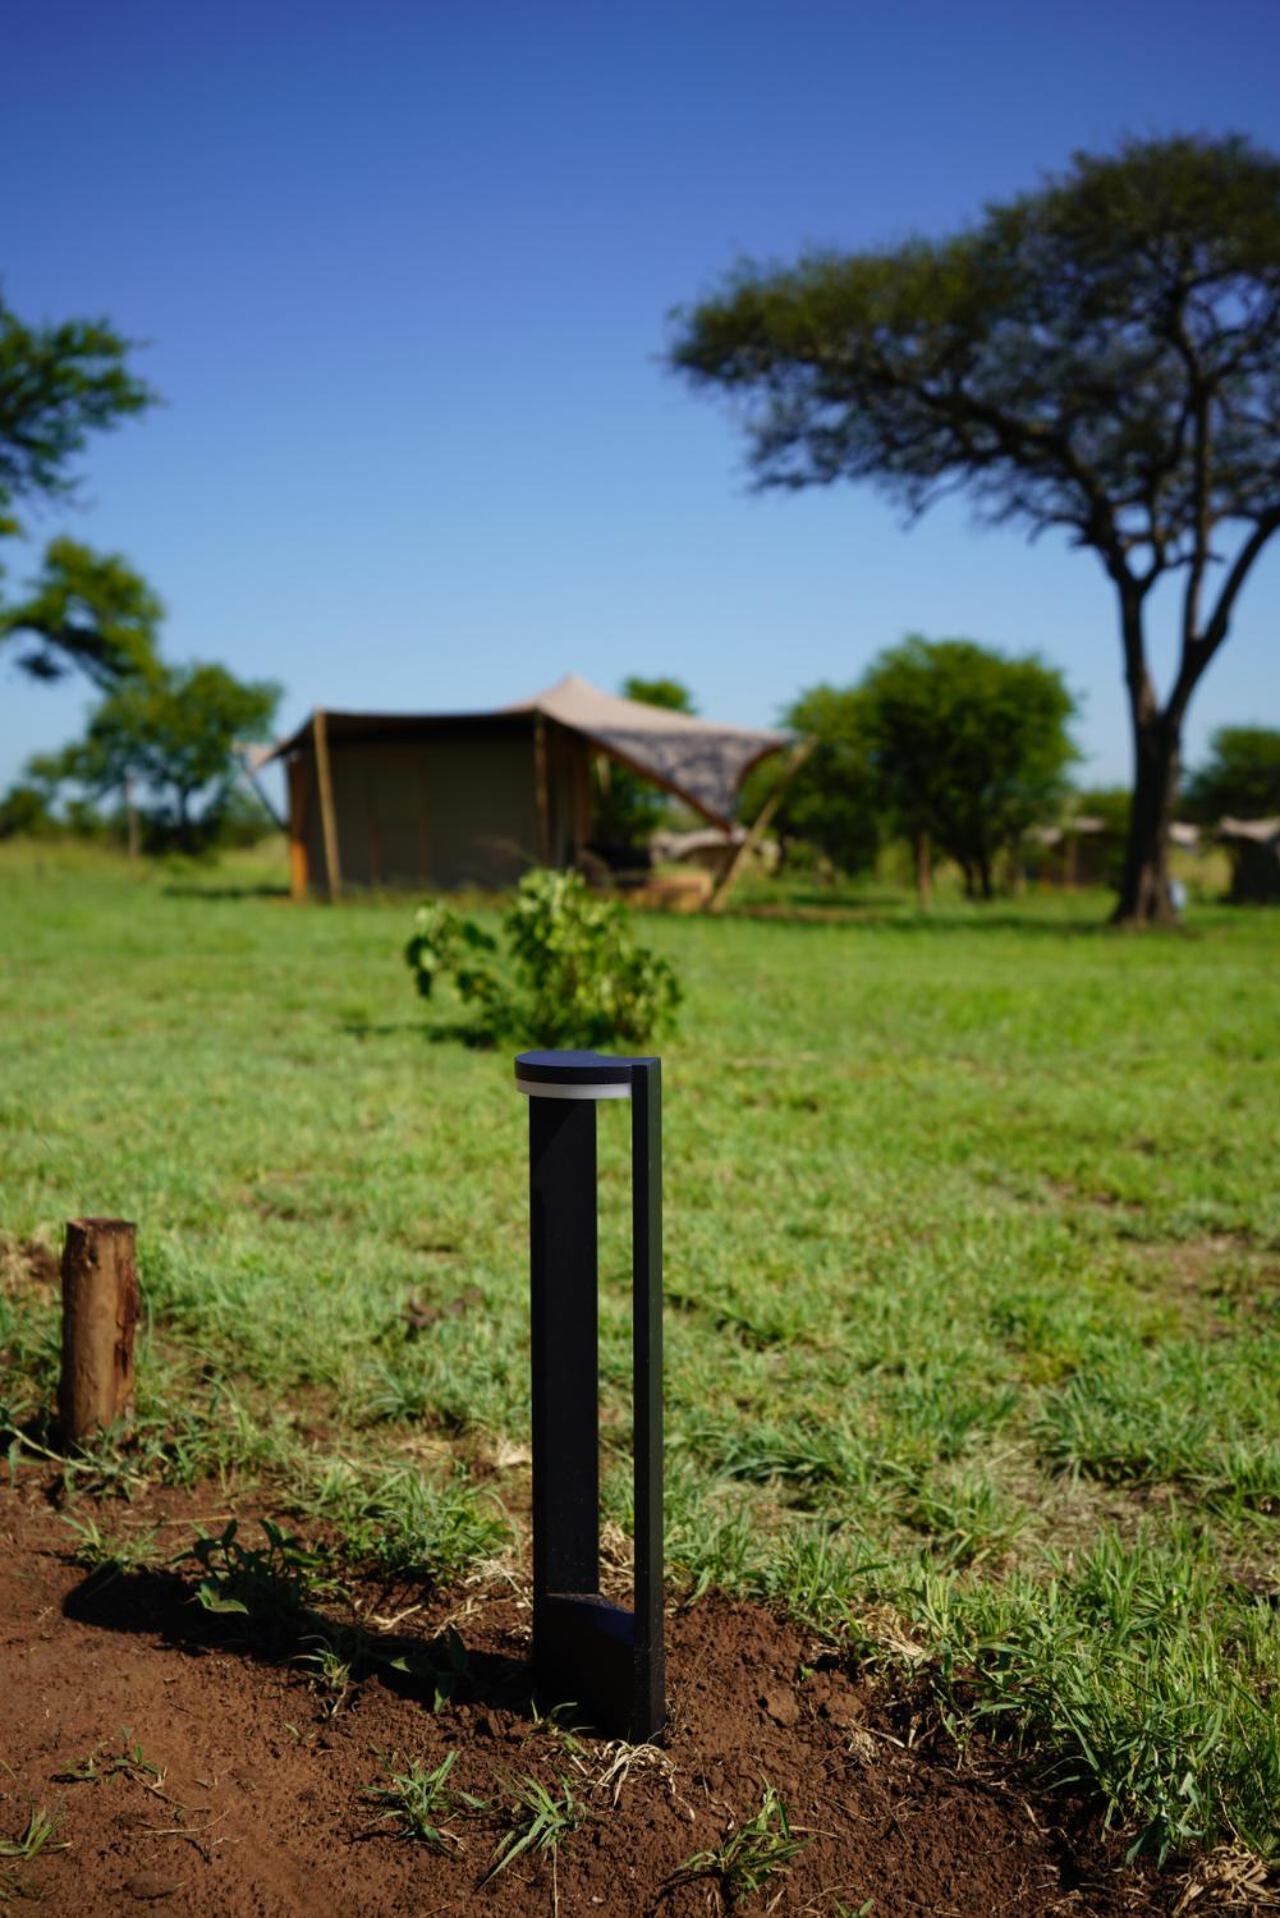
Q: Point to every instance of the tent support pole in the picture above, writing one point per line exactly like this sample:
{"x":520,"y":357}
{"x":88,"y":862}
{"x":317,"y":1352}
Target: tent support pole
{"x":733,"y":871}
{"x":328,"y":820}
{"x":540,"y":789}
{"x":299,"y":871}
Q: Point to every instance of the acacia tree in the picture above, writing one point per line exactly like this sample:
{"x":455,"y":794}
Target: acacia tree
{"x":1241,"y":775}
{"x":58,"y":385}
{"x":965,"y":749}
{"x":172,"y":735}
{"x":1101,"y":356}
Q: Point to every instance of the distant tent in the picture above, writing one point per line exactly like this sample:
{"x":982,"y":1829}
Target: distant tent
{"x":474,"y":799}
{"x":1254,"y":845}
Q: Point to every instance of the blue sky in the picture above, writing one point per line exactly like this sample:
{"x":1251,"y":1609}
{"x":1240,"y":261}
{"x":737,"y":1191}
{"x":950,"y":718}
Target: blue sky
{"x":404,"y":271}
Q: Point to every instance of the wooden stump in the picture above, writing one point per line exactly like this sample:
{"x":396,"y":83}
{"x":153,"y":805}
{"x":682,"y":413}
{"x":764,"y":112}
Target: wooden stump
{"x":100,"y":1308}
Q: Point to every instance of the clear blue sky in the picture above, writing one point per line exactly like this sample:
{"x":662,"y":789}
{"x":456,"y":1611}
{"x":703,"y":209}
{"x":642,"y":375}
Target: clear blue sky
{"x":404,"y":270}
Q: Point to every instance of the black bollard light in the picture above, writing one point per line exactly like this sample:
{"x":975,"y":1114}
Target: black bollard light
{"x":606,"y":1660}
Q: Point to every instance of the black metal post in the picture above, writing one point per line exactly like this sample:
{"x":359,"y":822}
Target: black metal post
{"x":607,"y":1661}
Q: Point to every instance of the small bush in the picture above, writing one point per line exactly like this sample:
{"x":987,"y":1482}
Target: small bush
{"x":573,"y":974}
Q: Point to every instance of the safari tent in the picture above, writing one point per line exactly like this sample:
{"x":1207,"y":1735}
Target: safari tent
{"x":1254,"y":845}
{"x":444,"y":800}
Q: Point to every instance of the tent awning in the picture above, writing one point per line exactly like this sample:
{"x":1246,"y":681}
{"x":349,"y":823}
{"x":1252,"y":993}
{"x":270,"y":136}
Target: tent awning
{"x":697,"y":760}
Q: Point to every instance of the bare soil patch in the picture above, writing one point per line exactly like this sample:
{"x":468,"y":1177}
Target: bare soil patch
{"x":196,"y":1767}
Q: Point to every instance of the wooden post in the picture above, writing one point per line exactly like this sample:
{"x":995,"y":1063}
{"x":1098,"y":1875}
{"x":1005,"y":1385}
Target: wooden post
{"x":299,"y":865}
{"x":732,"y":872}
{"x":100,"y":1308}
{"x":328,"y":819}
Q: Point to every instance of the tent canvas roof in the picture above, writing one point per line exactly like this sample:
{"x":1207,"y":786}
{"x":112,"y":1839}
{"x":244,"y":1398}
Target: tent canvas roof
{"x":701,"y":762}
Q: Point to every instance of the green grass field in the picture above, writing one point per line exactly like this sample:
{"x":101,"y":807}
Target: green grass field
{"x":973,"y":1278}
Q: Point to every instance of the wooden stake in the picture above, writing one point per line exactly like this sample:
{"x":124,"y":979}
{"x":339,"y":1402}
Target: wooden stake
{"x":100,"y":1308}
{"x":732,"y":872}
{"x":328,"y":820}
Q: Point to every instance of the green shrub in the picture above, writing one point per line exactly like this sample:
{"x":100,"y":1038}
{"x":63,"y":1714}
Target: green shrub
{"x":573,"y":973}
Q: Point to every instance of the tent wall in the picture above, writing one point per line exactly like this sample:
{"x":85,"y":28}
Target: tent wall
{"x":1255,"y":872}
{"x":442,"y":812}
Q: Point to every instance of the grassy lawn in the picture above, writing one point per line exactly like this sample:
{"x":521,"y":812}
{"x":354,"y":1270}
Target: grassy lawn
{"x":973,"y":1278}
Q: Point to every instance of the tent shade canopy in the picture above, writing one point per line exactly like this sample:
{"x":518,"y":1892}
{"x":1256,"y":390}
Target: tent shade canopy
{"x":700,"y":762}
{"x":476,"y":798}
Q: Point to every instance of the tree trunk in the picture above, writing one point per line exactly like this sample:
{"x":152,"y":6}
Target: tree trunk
{"x":1144,"y":889}
{"x":924,"y":871}
{"x":984,"y":874}
{"x":131,"y":820}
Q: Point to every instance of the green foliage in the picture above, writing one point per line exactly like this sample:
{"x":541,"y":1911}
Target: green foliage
{"x":539,"y":1819}
{"x":626,"y":809}
{"x":270,"y":1583}
{"x":575,"y":975}
{"x":939,"y":737}
{"x":173,"y":734}
{"x":830,"y":804}
{"x":39,"y":1834}
{"x":1100,"y":356}
{"x":762,"y":1848}
{"x":25,"y":813}
{"x":1240,"y":778}
{"x":420,"y":1801}
{"x":58,"y":385}
{"x":397,"y":1523}
{"x":965,"y":745}
{"x":88,"y":610}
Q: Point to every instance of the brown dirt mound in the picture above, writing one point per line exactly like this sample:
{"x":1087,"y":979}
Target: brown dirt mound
{"x":196,"y":1767}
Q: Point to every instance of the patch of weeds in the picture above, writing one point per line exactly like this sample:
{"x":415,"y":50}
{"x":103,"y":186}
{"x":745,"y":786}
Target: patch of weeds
{"x":966,"y":1518}
{"x":539,"y":1819}
{"x":270,"y":1583}
{"x":128,"y":1762}
{"x":37,"y":1836}
{"x":402,"y":1525}
{"x":331,"y":1675}
{"x":420,"y":1802}
{"x":759,"y":1850}
{"x":1142,"y":1675}
{"x":111,"y":1554}
{"x":445,"y":1663}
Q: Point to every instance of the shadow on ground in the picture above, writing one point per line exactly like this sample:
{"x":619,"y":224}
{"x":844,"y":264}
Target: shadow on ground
{"x":426,"y":1669}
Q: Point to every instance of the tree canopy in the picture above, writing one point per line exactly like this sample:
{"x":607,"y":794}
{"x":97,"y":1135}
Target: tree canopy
{"x":966,"y":748}
{"x":172,"y":735}
{"x":1101,"y":356}
{"x":1240,"y":778}
{"x":947,"y":743}
{"x":84,"y":609}
{"x":830,"y":803}
{"x":59,"y":384}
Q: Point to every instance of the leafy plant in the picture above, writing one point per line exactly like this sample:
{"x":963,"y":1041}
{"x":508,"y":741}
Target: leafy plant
{"x":574,"y":973}
{"x":749,"y":1857}
{"x":419,"y":1802}
{"x":110,"y":1554}
{"x":539,"y":1820}
{"x":268,"y":1582}
{"x":36,"y":1836}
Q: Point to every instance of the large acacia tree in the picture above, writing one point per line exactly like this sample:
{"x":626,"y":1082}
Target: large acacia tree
{"x":1101,"y":356}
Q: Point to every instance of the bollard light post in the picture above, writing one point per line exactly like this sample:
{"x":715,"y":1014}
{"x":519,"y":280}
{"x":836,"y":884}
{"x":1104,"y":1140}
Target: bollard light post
{"x":606,"y":1660}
